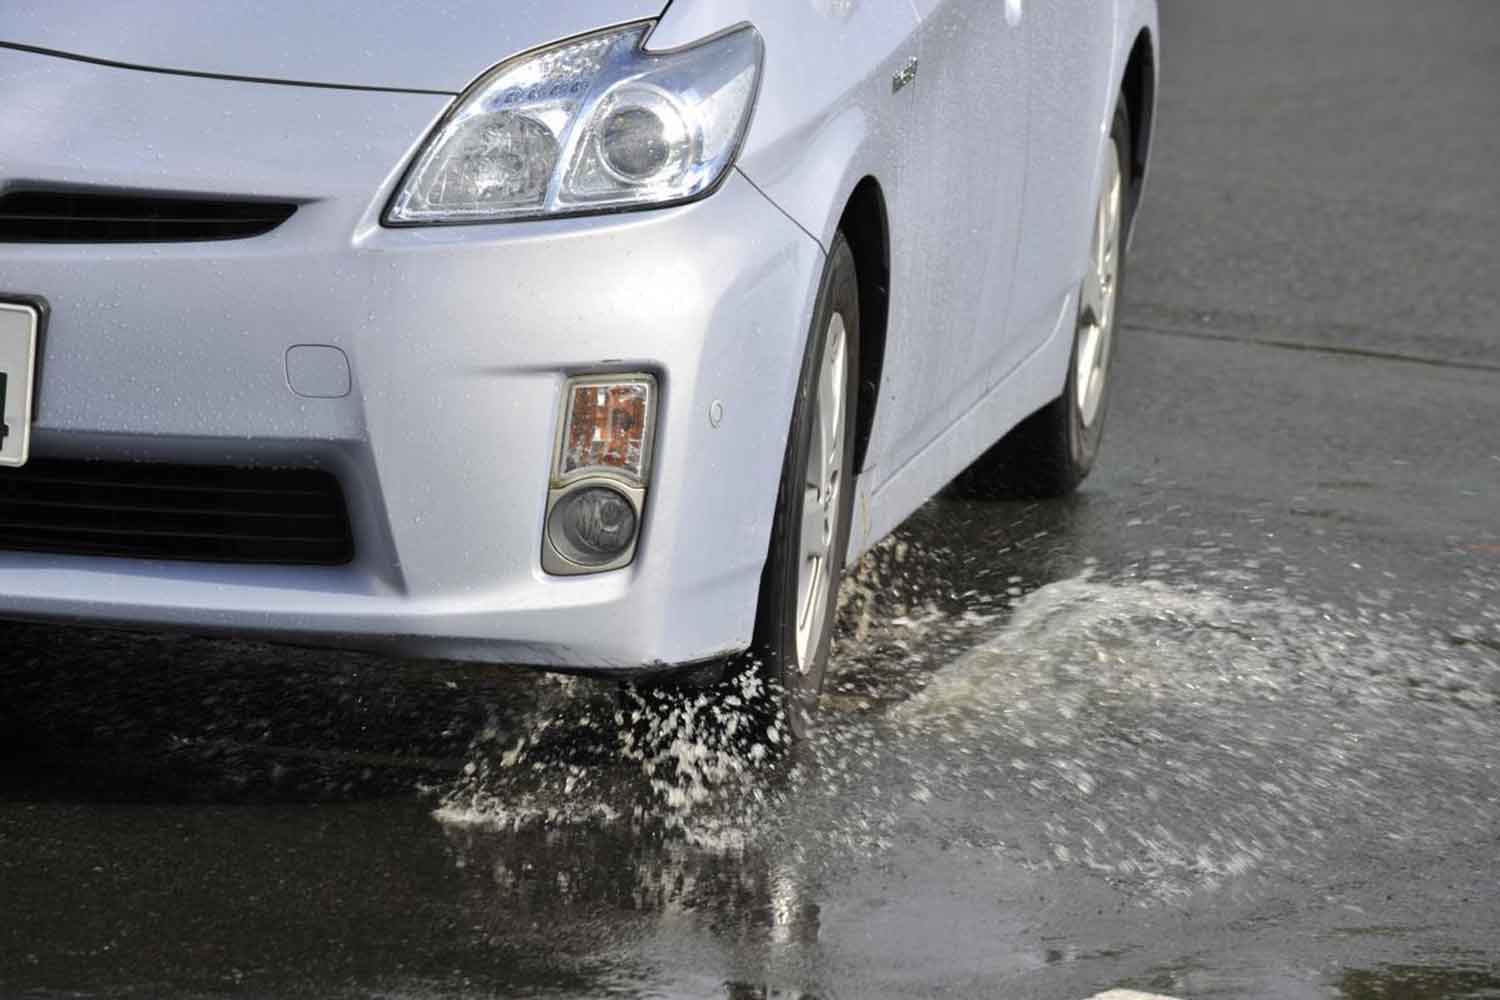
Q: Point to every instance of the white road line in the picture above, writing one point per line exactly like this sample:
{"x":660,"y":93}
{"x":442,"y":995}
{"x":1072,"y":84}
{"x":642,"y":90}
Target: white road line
{"x":1128,"y":995}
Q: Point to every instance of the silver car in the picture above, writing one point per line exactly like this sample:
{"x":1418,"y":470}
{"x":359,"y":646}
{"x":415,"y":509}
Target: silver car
{"x":592,"y":336}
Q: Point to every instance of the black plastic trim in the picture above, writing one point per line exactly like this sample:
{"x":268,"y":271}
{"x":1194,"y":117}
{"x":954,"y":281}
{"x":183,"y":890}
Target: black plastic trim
{"x":177,"y":513}
{"x":43,"y":314}
{"x":97,"y":216}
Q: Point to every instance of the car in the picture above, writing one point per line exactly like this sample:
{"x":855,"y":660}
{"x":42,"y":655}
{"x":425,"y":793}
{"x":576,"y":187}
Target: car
{"x":597,"y":337}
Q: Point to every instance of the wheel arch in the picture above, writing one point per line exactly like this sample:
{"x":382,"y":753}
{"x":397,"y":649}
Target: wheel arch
{"x":866,"y":226}
{"x":1138,"y":91}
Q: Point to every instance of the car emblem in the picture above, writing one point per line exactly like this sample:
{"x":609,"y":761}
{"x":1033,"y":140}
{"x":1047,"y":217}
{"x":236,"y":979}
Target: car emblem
{"x":907,"y":75}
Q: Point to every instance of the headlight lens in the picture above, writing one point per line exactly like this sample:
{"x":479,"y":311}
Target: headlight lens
{"x":607,"y":428}
{"x":593,"y":124}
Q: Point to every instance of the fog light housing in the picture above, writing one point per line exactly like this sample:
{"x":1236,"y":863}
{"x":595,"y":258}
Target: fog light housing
{"x":600,"y":468}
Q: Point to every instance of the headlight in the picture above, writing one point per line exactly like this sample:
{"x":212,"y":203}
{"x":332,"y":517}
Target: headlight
{"x":592,"y":124}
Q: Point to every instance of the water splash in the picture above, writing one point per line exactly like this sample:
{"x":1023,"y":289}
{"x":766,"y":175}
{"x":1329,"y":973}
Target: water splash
{"x":1166,"y":733}
{"x":677,"y":760}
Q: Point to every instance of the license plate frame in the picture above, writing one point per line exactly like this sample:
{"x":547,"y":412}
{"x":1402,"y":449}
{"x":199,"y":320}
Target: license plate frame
{"x":20,"y":331}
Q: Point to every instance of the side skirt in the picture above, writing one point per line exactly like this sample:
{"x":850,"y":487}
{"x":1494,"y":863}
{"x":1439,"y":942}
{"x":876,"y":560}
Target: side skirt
{"x":1029,"y":386}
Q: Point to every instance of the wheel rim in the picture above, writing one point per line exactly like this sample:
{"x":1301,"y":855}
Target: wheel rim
{"x":823,"y":483}
{"x":1096,"y":312}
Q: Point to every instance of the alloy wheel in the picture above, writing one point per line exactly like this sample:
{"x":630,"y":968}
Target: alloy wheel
{"x":1096,"y":314}
{"x":823,"y":483}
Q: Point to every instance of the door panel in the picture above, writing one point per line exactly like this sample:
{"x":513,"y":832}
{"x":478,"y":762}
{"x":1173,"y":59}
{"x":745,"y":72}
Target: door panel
{"x":1070,"y":43}
{"x":962,"y":211}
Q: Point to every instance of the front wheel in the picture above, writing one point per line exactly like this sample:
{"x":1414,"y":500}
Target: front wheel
{"x":1050,"y":452}
{"x":815,"y":502}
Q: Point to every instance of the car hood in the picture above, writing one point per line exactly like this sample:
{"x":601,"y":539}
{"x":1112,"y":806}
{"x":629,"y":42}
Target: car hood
{"x":438,"y":45}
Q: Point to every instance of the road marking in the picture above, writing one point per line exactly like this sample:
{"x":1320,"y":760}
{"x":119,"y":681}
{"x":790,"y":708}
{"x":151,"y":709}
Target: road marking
{"x":1314,"y":347}
{"x":1129,"y":995}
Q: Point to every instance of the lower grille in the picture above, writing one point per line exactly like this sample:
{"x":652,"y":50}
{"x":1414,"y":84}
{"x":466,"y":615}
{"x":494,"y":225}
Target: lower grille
{"x":179,"y":512}
{"x":79,"y":217}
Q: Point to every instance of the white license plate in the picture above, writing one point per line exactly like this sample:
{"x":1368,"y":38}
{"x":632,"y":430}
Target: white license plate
{"x":17,"y":370}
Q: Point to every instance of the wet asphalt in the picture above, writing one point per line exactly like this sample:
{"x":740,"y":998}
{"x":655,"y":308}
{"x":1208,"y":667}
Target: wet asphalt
{"x":1225,"y":724}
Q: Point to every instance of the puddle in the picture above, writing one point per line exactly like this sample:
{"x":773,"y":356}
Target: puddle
{"x":1084,"y":764}
{"x":1461,"y":979}
{"x":1166,"y":732}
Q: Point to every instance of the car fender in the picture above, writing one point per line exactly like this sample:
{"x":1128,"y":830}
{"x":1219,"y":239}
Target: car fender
{"x":821,"y":124}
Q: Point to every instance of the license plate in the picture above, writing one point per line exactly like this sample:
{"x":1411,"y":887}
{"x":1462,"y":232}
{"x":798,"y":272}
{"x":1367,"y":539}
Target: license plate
{"x":17,"y":367}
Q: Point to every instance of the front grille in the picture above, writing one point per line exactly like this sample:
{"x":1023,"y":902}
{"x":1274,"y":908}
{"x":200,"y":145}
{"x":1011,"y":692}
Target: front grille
{"x":182,"y":512}
{"x":78,"y":217}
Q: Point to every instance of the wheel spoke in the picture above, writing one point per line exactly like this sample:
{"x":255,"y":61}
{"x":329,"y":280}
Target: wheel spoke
{"x":824,"y":433}
{"x":1101,"y":230}
{"x":836,"y":382}
{"x":1112,"y":211}
{"x":833,"y":461}
{"x":1110,"y":275}
{"x":810,"y":555}
{"x":830,"y":401}
{"x":813,"y":544}
{"x":1088,"y":352}
{"x":1091,"y":377}
{"x":1091,"y":295}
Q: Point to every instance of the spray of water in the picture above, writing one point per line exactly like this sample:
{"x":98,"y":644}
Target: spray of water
{"x":1165,"y":735}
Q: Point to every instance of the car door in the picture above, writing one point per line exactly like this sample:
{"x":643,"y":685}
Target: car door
{"x":1071,"y":73}
{"x":962,"y":208}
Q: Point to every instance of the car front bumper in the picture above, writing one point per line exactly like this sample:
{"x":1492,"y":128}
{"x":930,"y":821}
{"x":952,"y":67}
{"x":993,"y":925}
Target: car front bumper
{"x":459,"y":340}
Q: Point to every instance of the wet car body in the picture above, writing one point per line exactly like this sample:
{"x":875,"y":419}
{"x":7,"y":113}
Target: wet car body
{"x":423,"y":367}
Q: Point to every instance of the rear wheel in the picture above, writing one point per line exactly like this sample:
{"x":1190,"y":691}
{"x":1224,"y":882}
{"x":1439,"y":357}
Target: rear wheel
{"x":810,"y":534}
{"x":1050,"y":452}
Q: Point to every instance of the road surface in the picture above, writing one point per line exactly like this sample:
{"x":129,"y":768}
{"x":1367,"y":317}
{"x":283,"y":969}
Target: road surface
{"x":1226,"y":724}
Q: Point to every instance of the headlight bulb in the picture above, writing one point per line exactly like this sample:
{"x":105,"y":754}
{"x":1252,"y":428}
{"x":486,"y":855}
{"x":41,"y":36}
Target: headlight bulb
{"x":642,"y":138}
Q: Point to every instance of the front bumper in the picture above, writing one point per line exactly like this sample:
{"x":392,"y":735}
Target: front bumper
{"x":459,"y":340}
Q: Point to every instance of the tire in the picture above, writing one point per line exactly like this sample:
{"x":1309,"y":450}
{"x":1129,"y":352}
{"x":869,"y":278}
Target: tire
{"x":1050,"y":452}
{"x":798,"y":592}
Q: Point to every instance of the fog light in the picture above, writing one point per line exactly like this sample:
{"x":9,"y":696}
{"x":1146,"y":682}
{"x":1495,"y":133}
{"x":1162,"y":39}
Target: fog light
{"x":592,"y":526}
